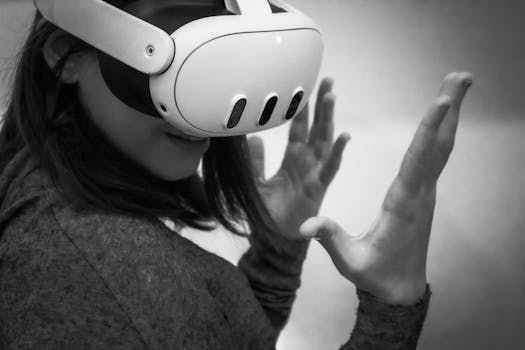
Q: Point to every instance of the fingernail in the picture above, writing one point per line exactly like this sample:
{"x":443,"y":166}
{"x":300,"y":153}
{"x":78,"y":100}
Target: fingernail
{"x":467,"y":79}
{"x":314,"y":237}
{"x":467,"y":82}
{"x":330,"y":96}
{"x":309,"y":238}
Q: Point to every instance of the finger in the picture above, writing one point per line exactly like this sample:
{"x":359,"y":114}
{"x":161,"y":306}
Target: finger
{"x":434,"y":116}
{"x":421,"y":164}
{"x":257,"y":155}
{"x":331,"y":236}
{"x":413,"y":172}
{"x":299,"y":128}
{"x":454,"y":85}
{"x":322,"y":133}
{"x":324,"y":88}
{"x":331,"y":166}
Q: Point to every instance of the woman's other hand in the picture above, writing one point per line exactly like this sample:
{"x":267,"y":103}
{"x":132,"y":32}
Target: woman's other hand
{"x":310,"y":163}
{"x":389,"y":260}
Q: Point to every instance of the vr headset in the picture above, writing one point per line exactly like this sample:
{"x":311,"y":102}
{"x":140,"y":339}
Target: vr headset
{"x":210,"y":68}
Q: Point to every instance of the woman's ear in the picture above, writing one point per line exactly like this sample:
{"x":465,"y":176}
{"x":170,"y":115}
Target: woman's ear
{"x":55,"y":47}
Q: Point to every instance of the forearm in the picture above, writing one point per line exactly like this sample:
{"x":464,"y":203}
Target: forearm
{"x":274,"y":274}
{"x":383,"y":326}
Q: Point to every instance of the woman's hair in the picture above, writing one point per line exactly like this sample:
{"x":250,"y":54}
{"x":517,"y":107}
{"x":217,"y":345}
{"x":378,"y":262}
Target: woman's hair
{"x":45,"y":115}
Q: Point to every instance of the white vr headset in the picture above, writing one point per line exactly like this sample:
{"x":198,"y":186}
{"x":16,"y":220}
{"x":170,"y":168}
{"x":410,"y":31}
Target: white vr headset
{"x":210,"y":68}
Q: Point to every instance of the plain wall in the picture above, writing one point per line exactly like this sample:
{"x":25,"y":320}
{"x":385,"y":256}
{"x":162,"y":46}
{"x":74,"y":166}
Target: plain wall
{"x":388,"y":59}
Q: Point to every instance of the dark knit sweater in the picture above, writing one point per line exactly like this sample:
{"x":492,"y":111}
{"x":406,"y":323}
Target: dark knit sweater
{"x":95,"y":280}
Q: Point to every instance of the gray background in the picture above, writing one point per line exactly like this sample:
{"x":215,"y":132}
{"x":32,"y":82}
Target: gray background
{"x":388,"y":58}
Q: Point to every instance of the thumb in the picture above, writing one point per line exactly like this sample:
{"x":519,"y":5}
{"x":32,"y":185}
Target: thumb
{"x":256,"y":147}
{"x":331,"y":236}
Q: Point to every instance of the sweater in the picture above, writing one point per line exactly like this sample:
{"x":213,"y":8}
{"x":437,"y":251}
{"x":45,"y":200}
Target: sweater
{"x":98,"y":280}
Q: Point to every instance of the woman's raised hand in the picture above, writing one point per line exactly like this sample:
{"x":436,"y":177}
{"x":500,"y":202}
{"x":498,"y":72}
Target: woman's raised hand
{"x":389,"y":260}
{"x":310,"y":163}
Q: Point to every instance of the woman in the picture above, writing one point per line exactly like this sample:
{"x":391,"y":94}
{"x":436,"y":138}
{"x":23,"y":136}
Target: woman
{"x":86,"y":262}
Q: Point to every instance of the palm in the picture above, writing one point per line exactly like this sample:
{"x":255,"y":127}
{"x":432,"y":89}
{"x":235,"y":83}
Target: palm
{"x":295,"y":192}
{"x":311,"y":161}
{"x":397,"y":241}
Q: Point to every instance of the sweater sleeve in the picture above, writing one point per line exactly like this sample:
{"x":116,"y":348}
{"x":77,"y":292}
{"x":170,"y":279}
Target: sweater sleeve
{"x":383,"y":326}
{"x":273,"y":266}
{"x":51,"y":298}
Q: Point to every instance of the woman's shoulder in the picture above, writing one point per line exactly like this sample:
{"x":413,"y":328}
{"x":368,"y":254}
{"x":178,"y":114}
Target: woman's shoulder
{"x":30,"y":202}
{"x":32,"y":209}
{"x":35,"y":214}
{"x":139,"y":263}
{"x":158,"y":277}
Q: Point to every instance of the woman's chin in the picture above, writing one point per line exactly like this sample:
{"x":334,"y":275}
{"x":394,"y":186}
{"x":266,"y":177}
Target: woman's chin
{"x":178,"y":172}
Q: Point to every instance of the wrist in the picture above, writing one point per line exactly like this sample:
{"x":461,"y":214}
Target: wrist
{"x":405,"y":294}
{"x":280,"y":244}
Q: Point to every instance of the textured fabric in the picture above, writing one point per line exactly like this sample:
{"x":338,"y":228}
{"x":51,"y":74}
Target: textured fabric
{"x":385,"y":326}
{"x":95,"y":280}
{"x":274,"y":276}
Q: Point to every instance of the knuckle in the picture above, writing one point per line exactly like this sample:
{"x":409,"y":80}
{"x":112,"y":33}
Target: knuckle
{"x":411,"y":151}
{"x":442,"y":102}
{"x":446,"y":145}
{"x":438,"y":101}
{"x":398,"y":201}
{"x":451,"y":76}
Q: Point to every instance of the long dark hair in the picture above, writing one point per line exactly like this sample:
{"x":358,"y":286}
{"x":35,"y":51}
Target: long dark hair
{"x":45,"y":115}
